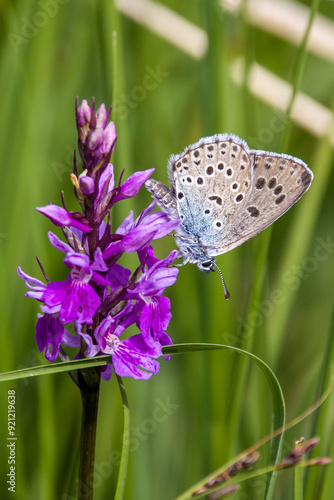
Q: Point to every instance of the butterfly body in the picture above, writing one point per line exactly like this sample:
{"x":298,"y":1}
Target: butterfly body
{"x":224,"y":193}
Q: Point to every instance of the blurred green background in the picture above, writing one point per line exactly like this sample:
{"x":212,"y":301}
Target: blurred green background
{"x":202,"y":408}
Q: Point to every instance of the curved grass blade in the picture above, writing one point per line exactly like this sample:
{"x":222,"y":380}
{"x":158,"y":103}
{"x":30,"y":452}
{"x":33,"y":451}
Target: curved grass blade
{"x":181,"y":348}
{"x":278,"y":407}
{"x":61,"y":367}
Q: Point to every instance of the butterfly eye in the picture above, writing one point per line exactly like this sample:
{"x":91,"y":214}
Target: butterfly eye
{"x":207,"y":264}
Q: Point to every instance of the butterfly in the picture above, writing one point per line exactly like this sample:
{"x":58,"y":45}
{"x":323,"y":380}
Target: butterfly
{"x":224,"y":193}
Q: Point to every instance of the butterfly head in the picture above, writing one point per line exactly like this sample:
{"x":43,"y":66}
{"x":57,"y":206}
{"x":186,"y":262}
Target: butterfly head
{"x":206,"y":265}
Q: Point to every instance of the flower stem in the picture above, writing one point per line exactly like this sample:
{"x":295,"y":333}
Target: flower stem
{"x":90,"y":389}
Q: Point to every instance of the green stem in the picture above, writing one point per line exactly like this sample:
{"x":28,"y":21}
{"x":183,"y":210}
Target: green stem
{"x":90,"y":389}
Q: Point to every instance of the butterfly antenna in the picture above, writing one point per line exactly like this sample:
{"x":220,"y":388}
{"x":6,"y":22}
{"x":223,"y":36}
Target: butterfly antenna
{"x":226,"y":292}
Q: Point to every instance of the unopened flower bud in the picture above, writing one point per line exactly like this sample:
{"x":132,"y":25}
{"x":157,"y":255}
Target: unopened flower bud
{"x":95,"y":139}
{"x":101,"y":117}
{"x":87,"y":185}
{"x":109,"y":139}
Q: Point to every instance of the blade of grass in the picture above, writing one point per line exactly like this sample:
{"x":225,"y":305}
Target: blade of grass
{"x":126,"y":443}
{"x":327,"y":481}
{"x":279,"y":319}
{"x":277,"y":395}
{"x":212,"y":82}
{"x":115,"y":63}
{"x":298,"y":472}
{"x":220,"y":113}
{"x":47,"y":434}
{"x":77,"y":364}
{"x":242,"y":365}
{"x":182,"y":348}
{"x":318,"y":482}
{"x":297,"y":241}
{"x":298,"y":72}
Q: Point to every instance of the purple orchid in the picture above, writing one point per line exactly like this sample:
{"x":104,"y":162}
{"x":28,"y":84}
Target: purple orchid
{"x":130,"y":357}
{"x":101,"y":297}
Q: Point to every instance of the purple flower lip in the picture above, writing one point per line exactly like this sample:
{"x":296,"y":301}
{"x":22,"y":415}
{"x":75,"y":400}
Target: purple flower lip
{"x":51,"y":332}
{"x":76,"y":298}
{"x":130,"y":357}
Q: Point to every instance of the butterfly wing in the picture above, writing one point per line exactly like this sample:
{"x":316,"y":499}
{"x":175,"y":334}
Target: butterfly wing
{"x":212,"y":181}
{"x":224,"y":193}
{"x":279,"y":181}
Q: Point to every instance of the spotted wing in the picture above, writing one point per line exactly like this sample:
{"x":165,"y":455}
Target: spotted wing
{"x":212,"y":181}
{"x":279,"y":181}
